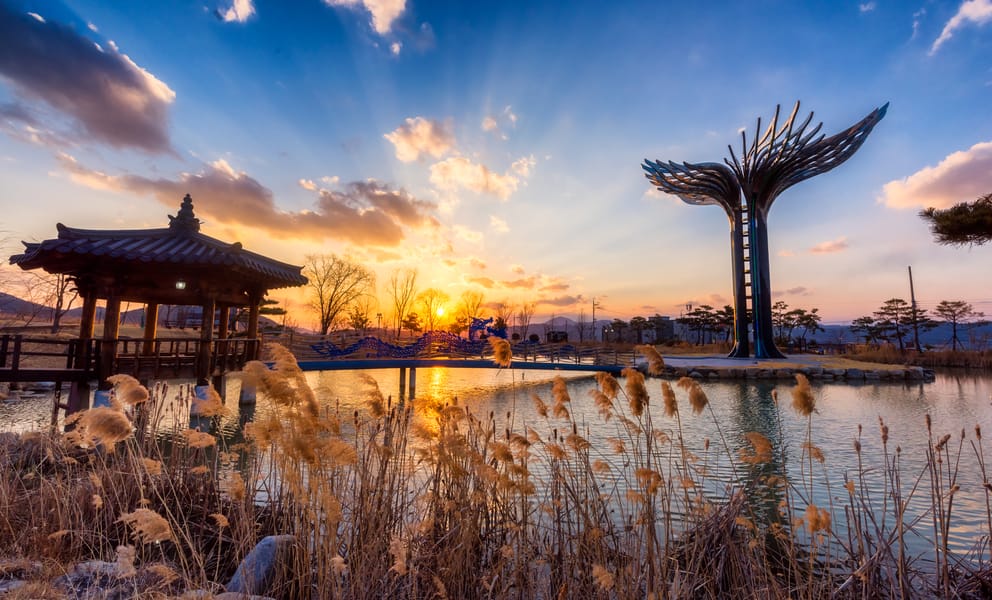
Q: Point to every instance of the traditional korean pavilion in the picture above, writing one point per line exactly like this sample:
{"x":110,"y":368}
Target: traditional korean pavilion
{"x":174,"y":265}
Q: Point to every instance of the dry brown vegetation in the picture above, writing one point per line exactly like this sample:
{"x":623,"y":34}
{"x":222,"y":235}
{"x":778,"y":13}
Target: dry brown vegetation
{"x":433,"y":501}
{"x":931,"y":359}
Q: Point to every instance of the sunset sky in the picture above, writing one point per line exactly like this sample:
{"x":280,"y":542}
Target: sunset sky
{"x":497,"y":145}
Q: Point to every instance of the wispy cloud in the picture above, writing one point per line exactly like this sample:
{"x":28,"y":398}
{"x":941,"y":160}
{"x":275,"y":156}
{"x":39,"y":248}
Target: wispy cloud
{"x":497,"y":123}
{"x":866,"y":7}
{"x":238,"y":12}
{"x":418,"y":136}
{"x":562,"y":301}
{"x":831,"y":247}
{"x":477,"y":263}
{"x":977,"y":12}
{"x":365,"y":212}
{"x":917,"y":19}
{"x":795,"y":291}
{"x":498,"y":224}
{"x":961,"y":176}
{"x":308,"y":185}
{"x":786,"y":253}
{"x":469,"y":235}
{"x":383,"y":12}
{"x":109,"y":97}
{"x":517,"y":269}
{"x":485,"y":282}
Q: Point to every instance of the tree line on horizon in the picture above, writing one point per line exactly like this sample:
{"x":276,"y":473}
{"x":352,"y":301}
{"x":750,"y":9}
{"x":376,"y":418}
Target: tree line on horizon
{"x":899,"y":323}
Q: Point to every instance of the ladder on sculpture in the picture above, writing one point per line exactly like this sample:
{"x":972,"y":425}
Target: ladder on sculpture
{"x":745,"y":233}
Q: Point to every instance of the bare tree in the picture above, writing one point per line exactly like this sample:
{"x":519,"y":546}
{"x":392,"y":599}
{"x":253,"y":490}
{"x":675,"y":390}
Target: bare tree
{"x":402,"y":289}
{"x":469,"y":307}
{"x":524,"y":315}
{"x":432,"y":301}
{"x":504,"y":312}
{"x":335,"y":283}
{"x":581,"y":323}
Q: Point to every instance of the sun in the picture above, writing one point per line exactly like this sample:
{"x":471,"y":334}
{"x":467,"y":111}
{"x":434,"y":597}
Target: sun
{"x":440,"y":311}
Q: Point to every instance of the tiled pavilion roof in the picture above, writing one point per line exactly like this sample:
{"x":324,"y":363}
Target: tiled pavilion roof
{"x":175,"y":249}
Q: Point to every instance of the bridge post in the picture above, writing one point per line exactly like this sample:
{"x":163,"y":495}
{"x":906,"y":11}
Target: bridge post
{"x":402,"y":383}
{"x":413,"y":382}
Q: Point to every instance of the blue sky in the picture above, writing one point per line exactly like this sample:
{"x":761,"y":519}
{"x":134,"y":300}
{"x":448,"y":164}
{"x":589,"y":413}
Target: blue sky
{"x":496,"y":146}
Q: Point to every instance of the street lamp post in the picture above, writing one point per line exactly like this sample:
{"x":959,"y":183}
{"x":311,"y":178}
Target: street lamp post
{"x":378,"y":323}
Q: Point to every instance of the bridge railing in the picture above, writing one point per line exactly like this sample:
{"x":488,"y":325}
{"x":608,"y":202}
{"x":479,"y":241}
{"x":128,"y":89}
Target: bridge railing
{"x":446,"y":345}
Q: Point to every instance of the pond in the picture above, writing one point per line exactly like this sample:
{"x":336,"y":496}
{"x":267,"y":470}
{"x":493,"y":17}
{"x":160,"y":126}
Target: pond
{"x":955,"y":402}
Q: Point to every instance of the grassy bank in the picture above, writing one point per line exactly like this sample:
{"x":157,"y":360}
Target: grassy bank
{"x":432,"y":501}
{"x":931,"y":359}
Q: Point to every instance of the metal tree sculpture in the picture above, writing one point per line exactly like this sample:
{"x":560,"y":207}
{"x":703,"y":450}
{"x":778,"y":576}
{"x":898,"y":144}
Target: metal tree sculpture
{"x":776,"y":160}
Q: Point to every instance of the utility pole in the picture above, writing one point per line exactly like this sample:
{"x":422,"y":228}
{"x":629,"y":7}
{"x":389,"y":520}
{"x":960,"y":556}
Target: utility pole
{"x":916,"y":316}
{"x":594,"y":305}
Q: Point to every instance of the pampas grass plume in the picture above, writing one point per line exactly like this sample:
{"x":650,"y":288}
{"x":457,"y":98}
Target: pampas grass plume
{"x":656,"y":364}
{"x":148,"y":525}
{"x":637,"y":393}
{"x":609,"y":384}
{"x":802,"y":396}
{"x":668,"y":395}
{"x":502,"y":353}
{"x":106,"y":426}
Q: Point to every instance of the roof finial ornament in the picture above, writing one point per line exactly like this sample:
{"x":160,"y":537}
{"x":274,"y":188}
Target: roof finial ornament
{"x":185,"y":219}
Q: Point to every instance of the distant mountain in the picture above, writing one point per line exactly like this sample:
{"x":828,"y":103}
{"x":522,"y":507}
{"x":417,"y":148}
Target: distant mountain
{"x":12,"y":305}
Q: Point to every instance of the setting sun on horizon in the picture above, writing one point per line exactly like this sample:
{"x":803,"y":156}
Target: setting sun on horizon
{"x":495,"y":148}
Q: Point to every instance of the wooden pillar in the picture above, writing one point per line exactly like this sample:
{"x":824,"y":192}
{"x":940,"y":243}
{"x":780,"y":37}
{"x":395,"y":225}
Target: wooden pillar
{"x":206,"y":337}
{"x":108,"y":347}
{"x":255,"y":300}
{"x":222,"y":327}
{"x":151,"y":327}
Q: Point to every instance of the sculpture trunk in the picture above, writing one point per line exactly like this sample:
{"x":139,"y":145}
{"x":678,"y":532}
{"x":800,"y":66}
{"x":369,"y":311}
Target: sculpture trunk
{"x":761,"y":288}
{"x":742,"y":346}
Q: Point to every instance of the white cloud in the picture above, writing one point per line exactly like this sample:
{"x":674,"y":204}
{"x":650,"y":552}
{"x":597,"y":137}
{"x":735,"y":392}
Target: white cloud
{"x":384,"y":12}
{"x":330,"y":180}
{"x":308,"y":185}
{"x":499,"y":225}
{"x":238,"y":12}
{"x":489,"y":124}
{"x":92,"y":27}
{"x":866,"y":7}
{"x":978,"y":12}
{"x":522,"y":166}
{"x":961,"y":177}
{"x":460,"y":172}
{"x":37,"y":17}
{"x":395,"y":48}
{"x":831,"y":247}
{"x":419,"y":136}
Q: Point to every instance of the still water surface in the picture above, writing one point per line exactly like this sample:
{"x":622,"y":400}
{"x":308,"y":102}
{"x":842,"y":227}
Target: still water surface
{"x":956,"y":402}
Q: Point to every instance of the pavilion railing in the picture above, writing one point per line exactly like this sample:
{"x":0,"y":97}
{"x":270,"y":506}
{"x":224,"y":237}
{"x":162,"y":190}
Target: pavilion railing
{"x":29,"y":358}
